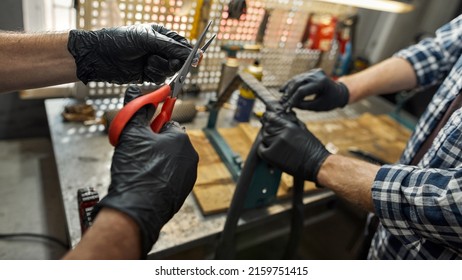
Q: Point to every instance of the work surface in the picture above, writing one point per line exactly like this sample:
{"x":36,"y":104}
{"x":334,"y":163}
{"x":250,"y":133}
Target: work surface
{"x":83,"y":156}
{"x":378,"y":136}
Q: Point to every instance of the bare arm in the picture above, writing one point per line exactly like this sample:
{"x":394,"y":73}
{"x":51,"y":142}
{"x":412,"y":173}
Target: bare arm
{"x":114,"y":235}
{"x":349,"y":178}
{"x":389,"y":76}
{"x":34,"y":60}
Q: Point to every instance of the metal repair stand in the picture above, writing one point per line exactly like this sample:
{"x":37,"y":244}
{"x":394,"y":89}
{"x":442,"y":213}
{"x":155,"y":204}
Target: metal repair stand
{"x":257,"y":181}
{"x":265,"y":180}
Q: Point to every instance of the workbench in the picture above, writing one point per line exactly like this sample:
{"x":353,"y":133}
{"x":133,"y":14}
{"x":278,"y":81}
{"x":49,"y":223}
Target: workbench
{"x":83,"y":158}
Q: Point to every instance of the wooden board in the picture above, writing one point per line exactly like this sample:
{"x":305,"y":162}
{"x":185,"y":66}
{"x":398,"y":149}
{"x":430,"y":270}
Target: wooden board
{"x":378,"y":135}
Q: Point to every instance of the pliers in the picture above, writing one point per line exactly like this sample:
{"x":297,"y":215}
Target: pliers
{"x":167,"y":93}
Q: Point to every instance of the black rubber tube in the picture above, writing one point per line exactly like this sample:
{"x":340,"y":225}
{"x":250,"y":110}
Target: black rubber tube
{"x":296,"y":228}
{"x":226,"y":249}
{"x":226,"y":245}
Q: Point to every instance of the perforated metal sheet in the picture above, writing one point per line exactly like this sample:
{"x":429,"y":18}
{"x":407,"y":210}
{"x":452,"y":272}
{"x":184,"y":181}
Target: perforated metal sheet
{"x":281,"y":55}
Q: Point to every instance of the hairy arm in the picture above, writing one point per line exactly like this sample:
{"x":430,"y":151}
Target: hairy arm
{"x":114,"y":235}
{"x":35,"y":60}
{"x":424,"y":64}
{"x":389,"y":76}
{"x":349,"y":178}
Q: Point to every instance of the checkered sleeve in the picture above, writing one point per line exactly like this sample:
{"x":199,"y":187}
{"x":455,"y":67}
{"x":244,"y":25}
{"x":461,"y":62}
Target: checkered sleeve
{"x":416,"y":204}
{"x":433,"y":58}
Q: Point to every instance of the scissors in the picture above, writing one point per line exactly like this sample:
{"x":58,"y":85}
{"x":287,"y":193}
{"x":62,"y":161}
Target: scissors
{"x":167,"y":93}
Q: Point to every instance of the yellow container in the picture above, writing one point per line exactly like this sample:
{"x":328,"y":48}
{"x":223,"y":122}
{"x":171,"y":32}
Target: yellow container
{"x":246,"y":98}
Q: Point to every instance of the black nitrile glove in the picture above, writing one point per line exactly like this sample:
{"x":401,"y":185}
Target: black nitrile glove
{"x":151,"y":174}
{"x":128,"y":54}
{"x":327,"y":93}
{"x":290,"y":146}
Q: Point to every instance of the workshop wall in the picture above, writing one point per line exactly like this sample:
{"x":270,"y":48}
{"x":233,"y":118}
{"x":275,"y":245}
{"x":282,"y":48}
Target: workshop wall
{"x":11,"y":15}
{"x":280,"y":54}
{"x":393,"y":32}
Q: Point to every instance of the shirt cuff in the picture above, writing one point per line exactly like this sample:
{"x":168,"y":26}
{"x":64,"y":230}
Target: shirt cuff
{"x":390,"y":202}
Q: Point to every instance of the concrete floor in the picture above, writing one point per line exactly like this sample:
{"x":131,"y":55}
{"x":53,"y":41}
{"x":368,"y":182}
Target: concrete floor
{"x":30,"y":200}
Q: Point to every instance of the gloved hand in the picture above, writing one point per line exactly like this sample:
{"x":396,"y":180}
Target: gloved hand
{"x":151,"y":174}
{"x":327,"y":93}
{"x":290,"y":146}
{"x":128,"y":54}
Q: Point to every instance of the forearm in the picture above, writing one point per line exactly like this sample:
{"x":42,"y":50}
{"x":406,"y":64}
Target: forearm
{"x":34,"y":60}
{"x":349,"y":178}
{"x":389,"y":76}
{"x":114,"y":235}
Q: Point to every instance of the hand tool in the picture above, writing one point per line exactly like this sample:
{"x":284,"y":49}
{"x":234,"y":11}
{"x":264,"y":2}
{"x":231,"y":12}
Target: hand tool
{"x":167,"y":93}
{"x":87,"y":198}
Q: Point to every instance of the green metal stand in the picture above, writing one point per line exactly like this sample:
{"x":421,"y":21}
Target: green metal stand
{"x":264,"y":181}
{"x":263,"y":187}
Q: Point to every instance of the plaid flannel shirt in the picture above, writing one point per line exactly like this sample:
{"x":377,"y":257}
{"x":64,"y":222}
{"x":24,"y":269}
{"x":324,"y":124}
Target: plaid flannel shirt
{"x":420,"y":207}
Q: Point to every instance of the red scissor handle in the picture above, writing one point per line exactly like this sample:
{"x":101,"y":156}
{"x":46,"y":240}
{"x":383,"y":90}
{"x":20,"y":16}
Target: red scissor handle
{"x":127,"y":112}
{"x":165,"y":115}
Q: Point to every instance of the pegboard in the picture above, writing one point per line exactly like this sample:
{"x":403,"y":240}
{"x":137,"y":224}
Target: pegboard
{"x":281,"y":54}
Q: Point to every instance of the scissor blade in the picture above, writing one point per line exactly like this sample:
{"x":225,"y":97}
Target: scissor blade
{"x":187,"y":65}
{"x":207,"y":44}
{"x":179,"y":81}
{"x":171,"y":79}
